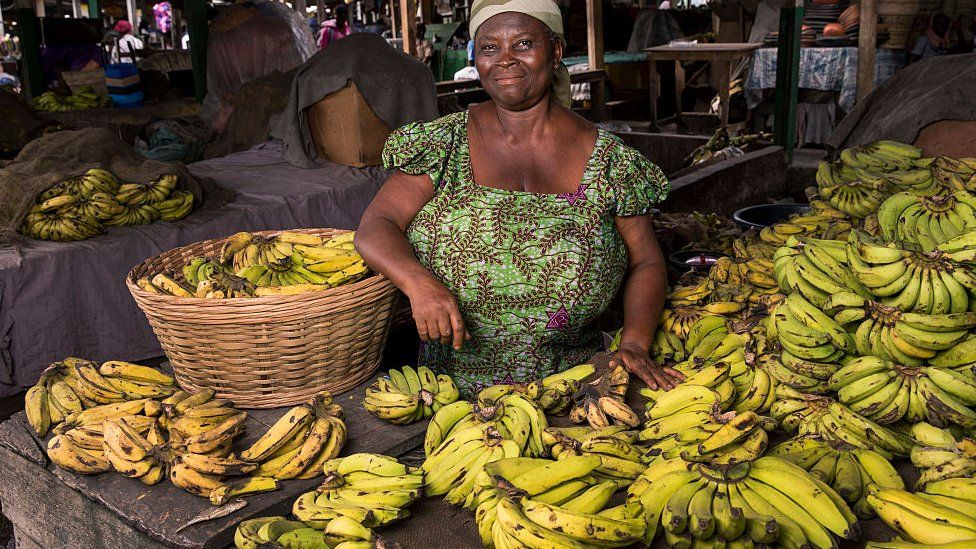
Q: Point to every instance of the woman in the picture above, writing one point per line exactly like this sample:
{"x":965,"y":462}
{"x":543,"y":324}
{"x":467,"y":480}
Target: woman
{"x":935,"y":41}
{"x":512,"y":226}
{"x":335,"y":29}
{"x":125,"y":48}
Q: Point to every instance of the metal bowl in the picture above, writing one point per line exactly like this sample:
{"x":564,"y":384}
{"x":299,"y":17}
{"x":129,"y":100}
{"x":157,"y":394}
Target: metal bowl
{"x":761,"y":216}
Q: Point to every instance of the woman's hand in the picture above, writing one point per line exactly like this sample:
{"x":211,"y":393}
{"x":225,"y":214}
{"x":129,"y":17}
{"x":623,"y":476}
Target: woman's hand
{"x":638,"y":362}
{"x":436,"y":312}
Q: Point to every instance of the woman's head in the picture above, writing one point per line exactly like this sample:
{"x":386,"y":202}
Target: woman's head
{"x":518,"y":49}
{"x":123,"y":27}
{"x":940,"y":23}
{"x":341,"y":14}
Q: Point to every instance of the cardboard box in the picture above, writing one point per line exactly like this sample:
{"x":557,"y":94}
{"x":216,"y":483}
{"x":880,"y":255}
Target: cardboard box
{"x":345,"y":129}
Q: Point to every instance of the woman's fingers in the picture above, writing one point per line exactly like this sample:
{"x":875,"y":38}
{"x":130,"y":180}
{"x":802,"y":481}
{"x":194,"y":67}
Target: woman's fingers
{"x":457,"y":329}
{"x":444,"y":322}
{"x":675,"y":374}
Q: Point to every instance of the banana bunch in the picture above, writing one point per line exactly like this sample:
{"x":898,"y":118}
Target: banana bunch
{"x":137,"y":194}
{"x":806,"y":332}
{"x":847,"y":469}
{"x":83,"y":99}
{"x":884,"y":155}
{"x":542,"y":504}
{"x":755,"y":385}
{"x":960,"y":249}
{"x":67,"y":388}
{"x":954,"y":173}
{"x":600,"y":403}
{"x":826,"y":223}
{"x":805,"y":375}
{"x":95,"y":180}
{"x":814,"y":268}
{"x":360,"y":492}
{"x":134,"y":214}
{"x":712,"y":297}
{"x":409,"y":395}
{"x":462,"y":437}
{"x":301,"y":441}
{"x":81,"y":447}
{"x":51,"y":224}
{"x":667,"y":348}
{"x":833,"y":421}
{"x":621,"y":460}
{"x":132,"y":453}
{"x":942,"y":516}
{"x":886,"y":392}
{"x":176,"y":207}
{"x":940,"y":456}
{"x":554,"y":394}
{"x":841,"y":187}
{"x":293,"y":258}
{"x":769,"y":502}
{"x":927,"y":220}
{"x":749,"y":247}
{"x":679,"y":320}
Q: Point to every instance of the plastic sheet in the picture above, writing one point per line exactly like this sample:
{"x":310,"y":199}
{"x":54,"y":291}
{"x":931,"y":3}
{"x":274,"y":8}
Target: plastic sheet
{"x":246,"y":42}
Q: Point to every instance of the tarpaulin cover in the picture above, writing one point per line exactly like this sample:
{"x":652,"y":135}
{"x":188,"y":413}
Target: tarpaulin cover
{"x":938,"y":88}
{"x":397,"y":87}
{"x":247,"y":42}
{"x":69,"y":299}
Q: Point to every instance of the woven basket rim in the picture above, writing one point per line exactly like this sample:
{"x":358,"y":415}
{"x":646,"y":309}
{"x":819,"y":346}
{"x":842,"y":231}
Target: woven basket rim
{"x":130,"y":278}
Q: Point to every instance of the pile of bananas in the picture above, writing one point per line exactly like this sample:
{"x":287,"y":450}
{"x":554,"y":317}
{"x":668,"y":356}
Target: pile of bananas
{"x":688,"y":422}
{"x":408,"y":395}
{"x":954,"y":173}
{"x":462,"y":437}
{"x":81,"y":207}
{"x":927,"y":220}
{"x":301,"y":441}
{"x":251,"y":265}
{"x":862,"y":178}
{"x":554,"y":394}
{"x":886,"y":392}
{"x":846,"y":469}
{"x":600,"y":403}
{"x":83,"y":99}
{"x":822,"y":221}
{"x":940,"y":456}
{"x":68,"y":387}
{"x":814,"y":268}
{"x":709,"y":297}
{"x":768,"y":501}
{"x":621,"y":460}
{"x":944,"y":515}
{"x":808,"y":333}
{"x":539,"y":503}
{"x":360,"y":492}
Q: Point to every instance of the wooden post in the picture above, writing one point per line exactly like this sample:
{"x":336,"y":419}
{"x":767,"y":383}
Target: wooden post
{"x":393,"y":19}
{"x":39,"y":10}
{"x":866,"y":41}
{"x":131,"y":10}
{"x":30,"y":48}
{"x":196,"y":26}
{"x":594,"y":52}
{"x":75,"y":11}
{"x":787,"y":75}
{"x":177,"y":29}
{"x":427,"y":11}
{"x":408,"y":13}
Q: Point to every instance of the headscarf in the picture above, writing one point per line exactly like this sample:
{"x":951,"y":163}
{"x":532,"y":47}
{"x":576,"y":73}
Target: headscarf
{"x":544,"y":10}
{"x":123,"y":27}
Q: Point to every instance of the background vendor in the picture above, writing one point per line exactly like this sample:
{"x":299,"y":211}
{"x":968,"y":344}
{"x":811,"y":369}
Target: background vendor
{"x":511,"y":227}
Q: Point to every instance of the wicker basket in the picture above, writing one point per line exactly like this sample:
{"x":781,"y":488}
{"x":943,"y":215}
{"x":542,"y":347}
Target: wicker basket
{"x":268,"y":352}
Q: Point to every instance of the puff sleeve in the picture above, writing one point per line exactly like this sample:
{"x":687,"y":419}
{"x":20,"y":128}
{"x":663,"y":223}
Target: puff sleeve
{"x":637,"y":182}
{"x":421,"y":148}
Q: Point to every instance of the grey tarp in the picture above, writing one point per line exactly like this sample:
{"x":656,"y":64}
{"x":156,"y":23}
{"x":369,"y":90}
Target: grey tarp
{"x":397,"y":87}
{"x":63,"y":299}
{"x":938,"y":88}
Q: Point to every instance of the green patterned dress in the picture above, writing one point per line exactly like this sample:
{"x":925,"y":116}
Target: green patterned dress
{"x":531,"y":272}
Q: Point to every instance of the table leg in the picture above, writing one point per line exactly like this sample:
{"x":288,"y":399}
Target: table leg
{"x":723,"y":68}
{"x":655,"y":85}
{"x":679,"y":88}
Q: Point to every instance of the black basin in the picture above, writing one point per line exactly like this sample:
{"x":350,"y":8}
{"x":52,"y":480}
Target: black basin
{"x":761,"y":216}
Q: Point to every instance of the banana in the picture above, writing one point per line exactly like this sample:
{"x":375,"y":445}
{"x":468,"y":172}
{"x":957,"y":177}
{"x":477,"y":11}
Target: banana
{"x":252,"y":485}
{"x":912,"y":516}
{"x":279,"y":434}
{"x":67,"y":456}
{"x":584,"y":527}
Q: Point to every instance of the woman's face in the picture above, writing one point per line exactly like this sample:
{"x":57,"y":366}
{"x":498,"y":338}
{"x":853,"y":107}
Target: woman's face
{"x":515,"y":57}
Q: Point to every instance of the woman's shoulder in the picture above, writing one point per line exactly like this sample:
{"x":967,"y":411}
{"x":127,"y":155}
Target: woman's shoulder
{"x":443,"y":128}
{"x":424,"y":146}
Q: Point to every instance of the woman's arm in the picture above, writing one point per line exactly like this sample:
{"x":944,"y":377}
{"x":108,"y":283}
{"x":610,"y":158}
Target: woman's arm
{"x":381,"y":241}
{"x":645,"y":290}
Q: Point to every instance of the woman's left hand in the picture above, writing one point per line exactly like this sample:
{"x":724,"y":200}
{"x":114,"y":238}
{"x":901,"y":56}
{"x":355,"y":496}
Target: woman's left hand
{"x":638,"y":362}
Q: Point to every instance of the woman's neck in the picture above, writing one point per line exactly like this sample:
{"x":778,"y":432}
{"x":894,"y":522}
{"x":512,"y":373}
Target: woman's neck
{"x":530,"y":122}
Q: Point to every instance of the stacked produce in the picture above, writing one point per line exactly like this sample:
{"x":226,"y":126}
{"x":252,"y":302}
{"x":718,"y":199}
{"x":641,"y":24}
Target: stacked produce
{"x":408,"y":395}
{"x":944,"y":515}
{"x":601,"y":402}
{"x":83,"y":99}
{"x":768,"y":501}
{"x":463,"y":437}
{"x":81,"y":207}
{"x":132,"y":419}
{"x":847,"y":469}
{"x":251,"y":265}
{"x":621,"y":460}
{"x":554,"y":394}
{"x":360,"y":492}
{"x":527,"y":502}
{"x":939,"y":456}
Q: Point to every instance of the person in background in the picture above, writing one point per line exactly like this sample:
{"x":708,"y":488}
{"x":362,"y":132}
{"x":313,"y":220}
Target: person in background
{"x":163,"y":13}
{"x":124,"y":50}
{"x":964,"y":34}
{"x":425,"y":49}
{"x":335,"y":29}
{"x":934,"y":42}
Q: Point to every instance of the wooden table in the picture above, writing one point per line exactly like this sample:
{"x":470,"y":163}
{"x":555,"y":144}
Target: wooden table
{"x":720,"y":56}
{"x":54,"y":509}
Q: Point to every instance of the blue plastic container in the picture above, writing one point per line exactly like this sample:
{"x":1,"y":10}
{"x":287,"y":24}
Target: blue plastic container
{"x":127,"y":101}
{"x":121,"y":70}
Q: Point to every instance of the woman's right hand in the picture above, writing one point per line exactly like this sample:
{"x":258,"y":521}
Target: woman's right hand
{"x":436,"y":312}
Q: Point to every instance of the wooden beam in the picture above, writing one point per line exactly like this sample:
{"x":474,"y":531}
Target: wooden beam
{"x":408,"y":15}
{"x":787,"y":75}
{"x":866,"y":41}
{"x":594,"y":53}
{"x":132,"y":11}
{"x":196,"y":26}
{"x":393,"y":19}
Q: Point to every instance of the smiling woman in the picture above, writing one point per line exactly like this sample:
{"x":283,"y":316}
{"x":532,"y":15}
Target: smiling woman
{"x":511,"y":227}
